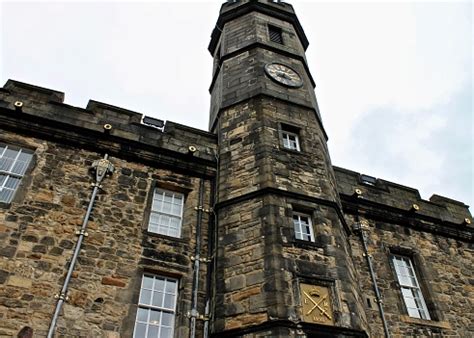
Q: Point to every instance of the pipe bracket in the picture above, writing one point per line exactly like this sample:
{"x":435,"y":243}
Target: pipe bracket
{"x":201,"y":259}
{"x":82,"y":232}
{"x":61,"y":296}
{"x":195,"y":314}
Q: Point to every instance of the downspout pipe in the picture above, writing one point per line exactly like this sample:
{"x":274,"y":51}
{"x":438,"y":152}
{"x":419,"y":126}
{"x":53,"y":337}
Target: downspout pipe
{"x":102,"y":168}
{"x":363,"y":228}
{"x":197,"y":258}
{"x":210,"y":267}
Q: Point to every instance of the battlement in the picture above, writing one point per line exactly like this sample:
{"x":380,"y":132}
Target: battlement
{"x":366,"y":190}
{"x":40,"y":110}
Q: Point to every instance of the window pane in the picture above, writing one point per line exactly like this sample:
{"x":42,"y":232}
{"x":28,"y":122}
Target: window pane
{"x":164,"y":220}
{"x":166,"y":207}
{"x":170,"y":286}
{"x":147,"y":282}
{"x":169,"y":301}
{"x":154,"y":218}
{"x":176,"y":209}
{"x":12,"y":182}
{"x":3,"y":178}
{"x":157,"y":204}
{"x":145,"y":297}
{"x":174,"y":222}
{"x":140,"y":330}
{"x":157,"y":299}
{"x":168,"y":198}
{"x":166,"y":332}
{"x":159,"y":284}
{"x":155,"y":317}
{"x":153,"y":331}
{"x":142,"y":315}
{"x":19,"y":168}
{"x":6,"y":195}
{"x":5,"y":163}
{"x":413,"y":312}
{"x":167,"y":319}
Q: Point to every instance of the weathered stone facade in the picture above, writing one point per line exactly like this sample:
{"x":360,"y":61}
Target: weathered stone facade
{"x":241,"y":269}
{"x":437,"y":239}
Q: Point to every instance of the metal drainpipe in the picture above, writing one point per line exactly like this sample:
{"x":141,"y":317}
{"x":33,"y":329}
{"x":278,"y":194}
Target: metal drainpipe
{"x":102,"y":168}
{"x":210,"y":267}
{"x":197,"y":256}
{"x":363,"y":228}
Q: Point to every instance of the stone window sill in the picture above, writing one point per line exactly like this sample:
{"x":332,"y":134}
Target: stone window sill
{"x":169,"y":238}
{"x":4,"y":205}
{"x":425,"y":322}
{"x":293,"y":151}
{"x":304,"y":244}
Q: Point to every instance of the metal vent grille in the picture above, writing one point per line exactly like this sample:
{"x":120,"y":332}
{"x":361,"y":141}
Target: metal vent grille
{"x":275,"y":34}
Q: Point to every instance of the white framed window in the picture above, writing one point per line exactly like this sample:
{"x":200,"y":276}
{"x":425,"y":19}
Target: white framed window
{"x":166,"y":214}
{"x":411,"y":291}
{"x":290,"y":140}
{"x":156,"y":307}
{"x":13,"y":165}
{"x":303,"y":227}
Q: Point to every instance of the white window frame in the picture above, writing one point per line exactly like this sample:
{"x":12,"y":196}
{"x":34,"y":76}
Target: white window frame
{"x":410,"y":288}
{"x":288,"y":143}
{"x":164,"y":218}
{"x":303,"y":231}
{"x":8,"y":174}
{"x":167,"y":289}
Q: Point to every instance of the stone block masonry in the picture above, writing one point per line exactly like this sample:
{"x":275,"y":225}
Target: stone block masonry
{"x":38,"y":228}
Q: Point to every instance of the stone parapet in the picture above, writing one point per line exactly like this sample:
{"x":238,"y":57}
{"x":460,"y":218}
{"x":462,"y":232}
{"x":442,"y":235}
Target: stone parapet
{"x":390,"y":200}
{"x":39,"y":110}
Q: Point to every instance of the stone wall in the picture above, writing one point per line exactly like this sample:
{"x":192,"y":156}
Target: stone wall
{"x":437,"y":239}
{"x":253,"y":156}
{"x":443,"y":270}
{"x":38,"y":229}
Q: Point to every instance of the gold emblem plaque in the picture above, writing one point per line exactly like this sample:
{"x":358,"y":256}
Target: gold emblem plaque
{"x":316,"y":304}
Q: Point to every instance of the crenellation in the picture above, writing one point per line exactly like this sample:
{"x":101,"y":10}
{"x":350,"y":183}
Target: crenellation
{"x":32,"y":92}
{"x":401,"y":198}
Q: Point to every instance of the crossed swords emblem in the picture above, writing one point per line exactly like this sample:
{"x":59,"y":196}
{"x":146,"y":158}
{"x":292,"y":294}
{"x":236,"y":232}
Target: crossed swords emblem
{"x":317,"y":305}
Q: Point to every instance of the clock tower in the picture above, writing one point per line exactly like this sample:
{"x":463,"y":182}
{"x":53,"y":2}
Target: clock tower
{"x":282,"y":259}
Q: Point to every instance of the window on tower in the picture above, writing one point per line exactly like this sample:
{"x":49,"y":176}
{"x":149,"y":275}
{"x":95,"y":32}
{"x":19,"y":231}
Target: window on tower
{"x":303,"y":227}
{"x":290,"y":137}
{"x":275,"y":34}
{"x":13,"y":164}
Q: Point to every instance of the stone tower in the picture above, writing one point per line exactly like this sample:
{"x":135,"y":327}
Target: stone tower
{"x":283,"y":262}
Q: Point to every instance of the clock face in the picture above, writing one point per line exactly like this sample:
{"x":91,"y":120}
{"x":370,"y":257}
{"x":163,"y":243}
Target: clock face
{"x":283,"y":75}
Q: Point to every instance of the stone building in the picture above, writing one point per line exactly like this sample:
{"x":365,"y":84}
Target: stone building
{"x":115,"y":224}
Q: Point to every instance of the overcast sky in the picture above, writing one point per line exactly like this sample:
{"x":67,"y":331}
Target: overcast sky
{"x":394,"y":79}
